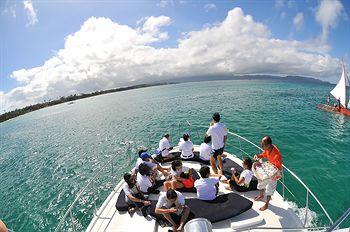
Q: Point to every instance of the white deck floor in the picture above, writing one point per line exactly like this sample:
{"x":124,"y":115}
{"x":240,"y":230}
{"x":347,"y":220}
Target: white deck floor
{"x":278,"y":215}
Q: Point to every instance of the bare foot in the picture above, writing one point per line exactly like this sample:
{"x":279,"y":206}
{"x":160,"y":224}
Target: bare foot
{"x":259,"y":198}
{"x":180,"y":228}
{"x":131,"y":210}
{"x":264,"y":207}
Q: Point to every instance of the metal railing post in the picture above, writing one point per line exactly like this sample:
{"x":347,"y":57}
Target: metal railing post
{"x":283,"y":184}
{"x":306,"y":207}
{"x":72,"y":219}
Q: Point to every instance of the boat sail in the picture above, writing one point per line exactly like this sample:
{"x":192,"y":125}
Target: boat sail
{"x":339,"y":91}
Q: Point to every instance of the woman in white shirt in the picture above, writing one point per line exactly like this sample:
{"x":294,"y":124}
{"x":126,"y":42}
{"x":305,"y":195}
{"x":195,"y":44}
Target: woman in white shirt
{"x":186,"y":147}
{"x":242,"y":184}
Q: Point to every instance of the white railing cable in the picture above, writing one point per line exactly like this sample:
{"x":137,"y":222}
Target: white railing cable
{"x":282,"y":181}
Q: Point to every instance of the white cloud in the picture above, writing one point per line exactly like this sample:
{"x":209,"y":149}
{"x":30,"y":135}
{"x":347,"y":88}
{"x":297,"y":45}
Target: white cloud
{"x":283,"y":15}
{"x":31,"y":12}
{"x":11,"y":10}
{"x":164,"y":3}
{"x":104,"y":54}
{"x":279,"y":4}
{"x":209,"y":6}
{"x":327,"y":14}
{"x":298,"y":21}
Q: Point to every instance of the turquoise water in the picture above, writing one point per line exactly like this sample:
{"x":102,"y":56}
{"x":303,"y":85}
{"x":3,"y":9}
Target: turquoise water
{"x":47,"y":156}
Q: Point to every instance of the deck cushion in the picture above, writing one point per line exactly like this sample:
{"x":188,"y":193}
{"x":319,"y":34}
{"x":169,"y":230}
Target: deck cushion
{"x":121,"y":203}
{"x":223,"y":207}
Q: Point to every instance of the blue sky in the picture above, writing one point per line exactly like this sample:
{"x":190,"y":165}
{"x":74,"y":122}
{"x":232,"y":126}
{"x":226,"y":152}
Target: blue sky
{"x":32,"y":36}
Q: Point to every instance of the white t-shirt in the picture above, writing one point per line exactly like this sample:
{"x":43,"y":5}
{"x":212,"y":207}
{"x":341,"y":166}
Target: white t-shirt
{"x":217,"y":133}
{"x":129,"y":191}
{"x":204,"y":151}
{"x":186,"y":150}
{"x":206,"y":189}
{"x":140,"y":161}
{"x":178,"y":173}
{"x":164,"y":202}
{"x":164,"y":143}
{"x":143,"y":182}
{"x":248,"y":175}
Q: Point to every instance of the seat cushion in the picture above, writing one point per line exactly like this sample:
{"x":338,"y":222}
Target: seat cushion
{"x":223,"y":207}
{"x":121,"y":204}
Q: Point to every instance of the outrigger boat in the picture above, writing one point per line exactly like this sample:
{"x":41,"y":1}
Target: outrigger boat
{"x":339,"y":93}
{"x":231,"y":211}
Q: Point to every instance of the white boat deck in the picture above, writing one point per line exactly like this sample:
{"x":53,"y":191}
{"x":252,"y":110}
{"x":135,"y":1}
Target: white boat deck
{"x":278,"y":215}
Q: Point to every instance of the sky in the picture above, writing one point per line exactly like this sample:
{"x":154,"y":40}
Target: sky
{"x":56,"y":48}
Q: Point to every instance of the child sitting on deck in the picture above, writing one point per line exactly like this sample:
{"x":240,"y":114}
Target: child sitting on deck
{"x":242,"y":184}
{"x":133,"y":196}
{"x":181,"y":177}
{"x":186,"y":147}
{"x":205,"y":150}
{"x":207,"y":187}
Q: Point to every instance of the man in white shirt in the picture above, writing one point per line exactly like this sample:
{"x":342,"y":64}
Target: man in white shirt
{"x":207,"y":187}
{"x":218,"y":133}
{"x":164,"y":148}
{"x":186,"y":147}
{"x":147,"y":159}
{"x":171,"y":204}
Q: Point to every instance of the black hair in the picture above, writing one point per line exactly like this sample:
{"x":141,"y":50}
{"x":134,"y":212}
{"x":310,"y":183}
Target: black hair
{"x":127,"y":178}
{"x":175,"y":163}
{"x":267,"y":140}
{"x":186,"y":137}
{"x":171,"y":194}
{"x":144,"y":170}
{"x":247,"y":161}
{"x":166,"y":135}
{"x":204,"y":171}
{"x":207,"y":139}
{"x":216,"y":117}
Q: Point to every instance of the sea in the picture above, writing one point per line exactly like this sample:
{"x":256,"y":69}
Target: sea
{"x":48,"y":156}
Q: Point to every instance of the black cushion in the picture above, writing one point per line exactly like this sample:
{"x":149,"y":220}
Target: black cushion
{"x":222,"y":208}
{"x":121,"y":204}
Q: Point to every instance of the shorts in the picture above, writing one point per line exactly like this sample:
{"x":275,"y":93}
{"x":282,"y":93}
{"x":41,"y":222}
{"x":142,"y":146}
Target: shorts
{"x":218,"y":152}
{"x":269,"y":185}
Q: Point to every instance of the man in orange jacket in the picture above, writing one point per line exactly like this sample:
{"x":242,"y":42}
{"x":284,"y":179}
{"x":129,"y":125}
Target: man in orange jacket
{"x":268,"y":186}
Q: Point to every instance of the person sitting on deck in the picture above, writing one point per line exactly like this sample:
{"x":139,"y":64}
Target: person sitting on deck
{"x":328,"y":100}
{"x":207,"y":187}
{"x":154,"y":165}
{"x":145,"y":181}
{"x":242,"y":183}
{"x":171,"y":204}
{"x":133,"y":196}
{"x":164,"y":148}
{"x":205,"y":149}
{"x":218,"y":133}
{"x":186,"y":147}
{"x":178,"y":173}
{"x":268,"y":186}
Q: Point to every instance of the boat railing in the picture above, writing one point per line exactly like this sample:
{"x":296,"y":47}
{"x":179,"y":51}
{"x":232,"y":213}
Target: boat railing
{"x":196,"y":137}
{"x":285,"y":189}
{"x":108,"y":165}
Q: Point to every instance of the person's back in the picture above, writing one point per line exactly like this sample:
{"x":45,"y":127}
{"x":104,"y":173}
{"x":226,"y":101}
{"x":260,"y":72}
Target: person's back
{"x":204,"y":151}
{"x":187,"y":150}
{"x":206,"y":186}
{"x":164,"y":145}
{"x":217,"y":132}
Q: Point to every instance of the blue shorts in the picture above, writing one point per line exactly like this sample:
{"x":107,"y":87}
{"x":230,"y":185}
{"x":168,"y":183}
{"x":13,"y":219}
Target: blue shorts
{"x":218,"y":152}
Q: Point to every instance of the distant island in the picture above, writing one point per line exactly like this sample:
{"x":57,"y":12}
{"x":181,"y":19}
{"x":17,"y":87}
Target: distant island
{"x":17,"y":112}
